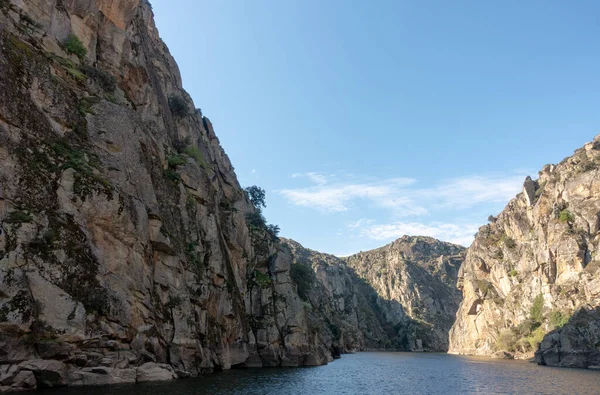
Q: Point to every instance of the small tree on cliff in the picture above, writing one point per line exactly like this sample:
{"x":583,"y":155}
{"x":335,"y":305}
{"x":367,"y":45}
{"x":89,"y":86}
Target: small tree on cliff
{"x":257,"y":220}
{"x":257,"y":197}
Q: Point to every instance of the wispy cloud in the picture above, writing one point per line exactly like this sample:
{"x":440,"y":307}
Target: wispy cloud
{"x":454,"y":233}
{"x":436,"y":206}
{"x":468,"y":191}
{"x":400,"y":195}
{"x":338,"y":196}
{"x":360,"y":223}
{"x":317,"y":178}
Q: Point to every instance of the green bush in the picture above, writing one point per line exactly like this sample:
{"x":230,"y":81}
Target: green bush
{"x":508,"y":242}
{"x":526,"y":327}
{"x":176,"y":160}
{"x":566,"y":216}
{"x":558,"y":319}
{"x":523,"y":345}
{"x":273,"y":230}
{"x":74,"y":45}
{"x":104,"y":79}
{"x":178,"y":106}
{"x":304,"y":277}
{"x":195,"y":154}
{"x":262,"y":279}
{"x":537,"y":309}
{"x":16,"y":217}
{"x":499,"y":255}
{"x":256,"y":195}
{"x":506,"y":341}
{"x":194,"y":257}
{"x":171,"y":174}
{"x":255,"y":221}
{"x":536,"y":338}
{"x":513,"y":273}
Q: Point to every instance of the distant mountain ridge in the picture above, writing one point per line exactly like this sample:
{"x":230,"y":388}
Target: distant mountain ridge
{"x":414,"y":278}
{"x":408,"y":286}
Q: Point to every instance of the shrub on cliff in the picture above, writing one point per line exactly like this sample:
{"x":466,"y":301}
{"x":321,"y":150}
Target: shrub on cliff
{"x":256,"y":195}
{"x":178,"y":106}
{"x":508,"y":241}
{"x":304,"y":277}
{"x":256,"y":220}
{"x":102,"y":78}
{"x":74,"y":45}
{"x":537,"y":309}
{"x":536,"y":338}
{"x":566,"y":216}
{"x":507,"y":341}
{"x":558,"y":319}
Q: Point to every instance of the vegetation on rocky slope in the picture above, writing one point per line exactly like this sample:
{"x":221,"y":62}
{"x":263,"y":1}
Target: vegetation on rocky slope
{"x":532,"y":267}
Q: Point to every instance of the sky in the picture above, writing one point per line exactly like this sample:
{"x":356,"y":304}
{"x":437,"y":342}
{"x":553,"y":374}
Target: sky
{"x":368,"y":120}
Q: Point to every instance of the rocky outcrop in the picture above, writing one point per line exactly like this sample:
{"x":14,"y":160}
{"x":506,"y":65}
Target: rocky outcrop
{"x":339,"y":304}
{"x":125,"y":253}
{"x":398,"y":297}
{"x":413,"y":280}
{"x":535,"y":265}
{"x":575,"y":345}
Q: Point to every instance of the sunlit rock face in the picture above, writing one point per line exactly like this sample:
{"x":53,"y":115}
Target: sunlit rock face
{"x":534,"y":266}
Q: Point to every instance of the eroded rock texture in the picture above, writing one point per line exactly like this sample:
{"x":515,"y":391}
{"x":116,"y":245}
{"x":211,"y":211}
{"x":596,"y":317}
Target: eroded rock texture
{"x":125,"y":253}
{"x":339,"y":304}
{"x":414,"y":282}
{"x":535,"y":265}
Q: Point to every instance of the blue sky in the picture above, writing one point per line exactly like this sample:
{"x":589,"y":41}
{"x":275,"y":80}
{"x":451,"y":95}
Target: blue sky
{"x":367,"y":120}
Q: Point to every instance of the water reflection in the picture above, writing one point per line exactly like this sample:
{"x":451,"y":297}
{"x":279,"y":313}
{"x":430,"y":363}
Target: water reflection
{"x":378,"y":373}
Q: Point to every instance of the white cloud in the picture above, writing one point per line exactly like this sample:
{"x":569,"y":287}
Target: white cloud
{"x":316,"y":178}
{"x":360,"y":223}
{"x":398,"y":195}
{"x":468,"y":191}
{"x":338,"y":196}
{"x":448,"y":210}
{"x":453,"y":233}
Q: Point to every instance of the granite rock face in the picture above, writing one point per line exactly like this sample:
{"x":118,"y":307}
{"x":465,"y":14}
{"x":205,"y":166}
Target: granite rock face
{"x":535,"y":265}
{"x":127,"y":253}
{"x":339,"y":304}
{"x":413,"y":280}
{"x":124,"y":254}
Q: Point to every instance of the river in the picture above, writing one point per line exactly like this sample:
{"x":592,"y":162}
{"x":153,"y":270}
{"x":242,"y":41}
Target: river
{"x":376,"y":373}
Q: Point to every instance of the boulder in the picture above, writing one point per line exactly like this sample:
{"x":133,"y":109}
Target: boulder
{"x":151,"y":371}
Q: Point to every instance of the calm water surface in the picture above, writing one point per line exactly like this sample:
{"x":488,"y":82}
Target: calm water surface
{"x":377,"y":373}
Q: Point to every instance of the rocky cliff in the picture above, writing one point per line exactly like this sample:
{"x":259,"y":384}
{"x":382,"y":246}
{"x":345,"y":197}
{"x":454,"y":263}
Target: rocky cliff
{"x":535,"y":265}
{"x":125,"y":250}
{"x":128,"y":250}
{"x":414,"y":282}
{"x":339,"y":303}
